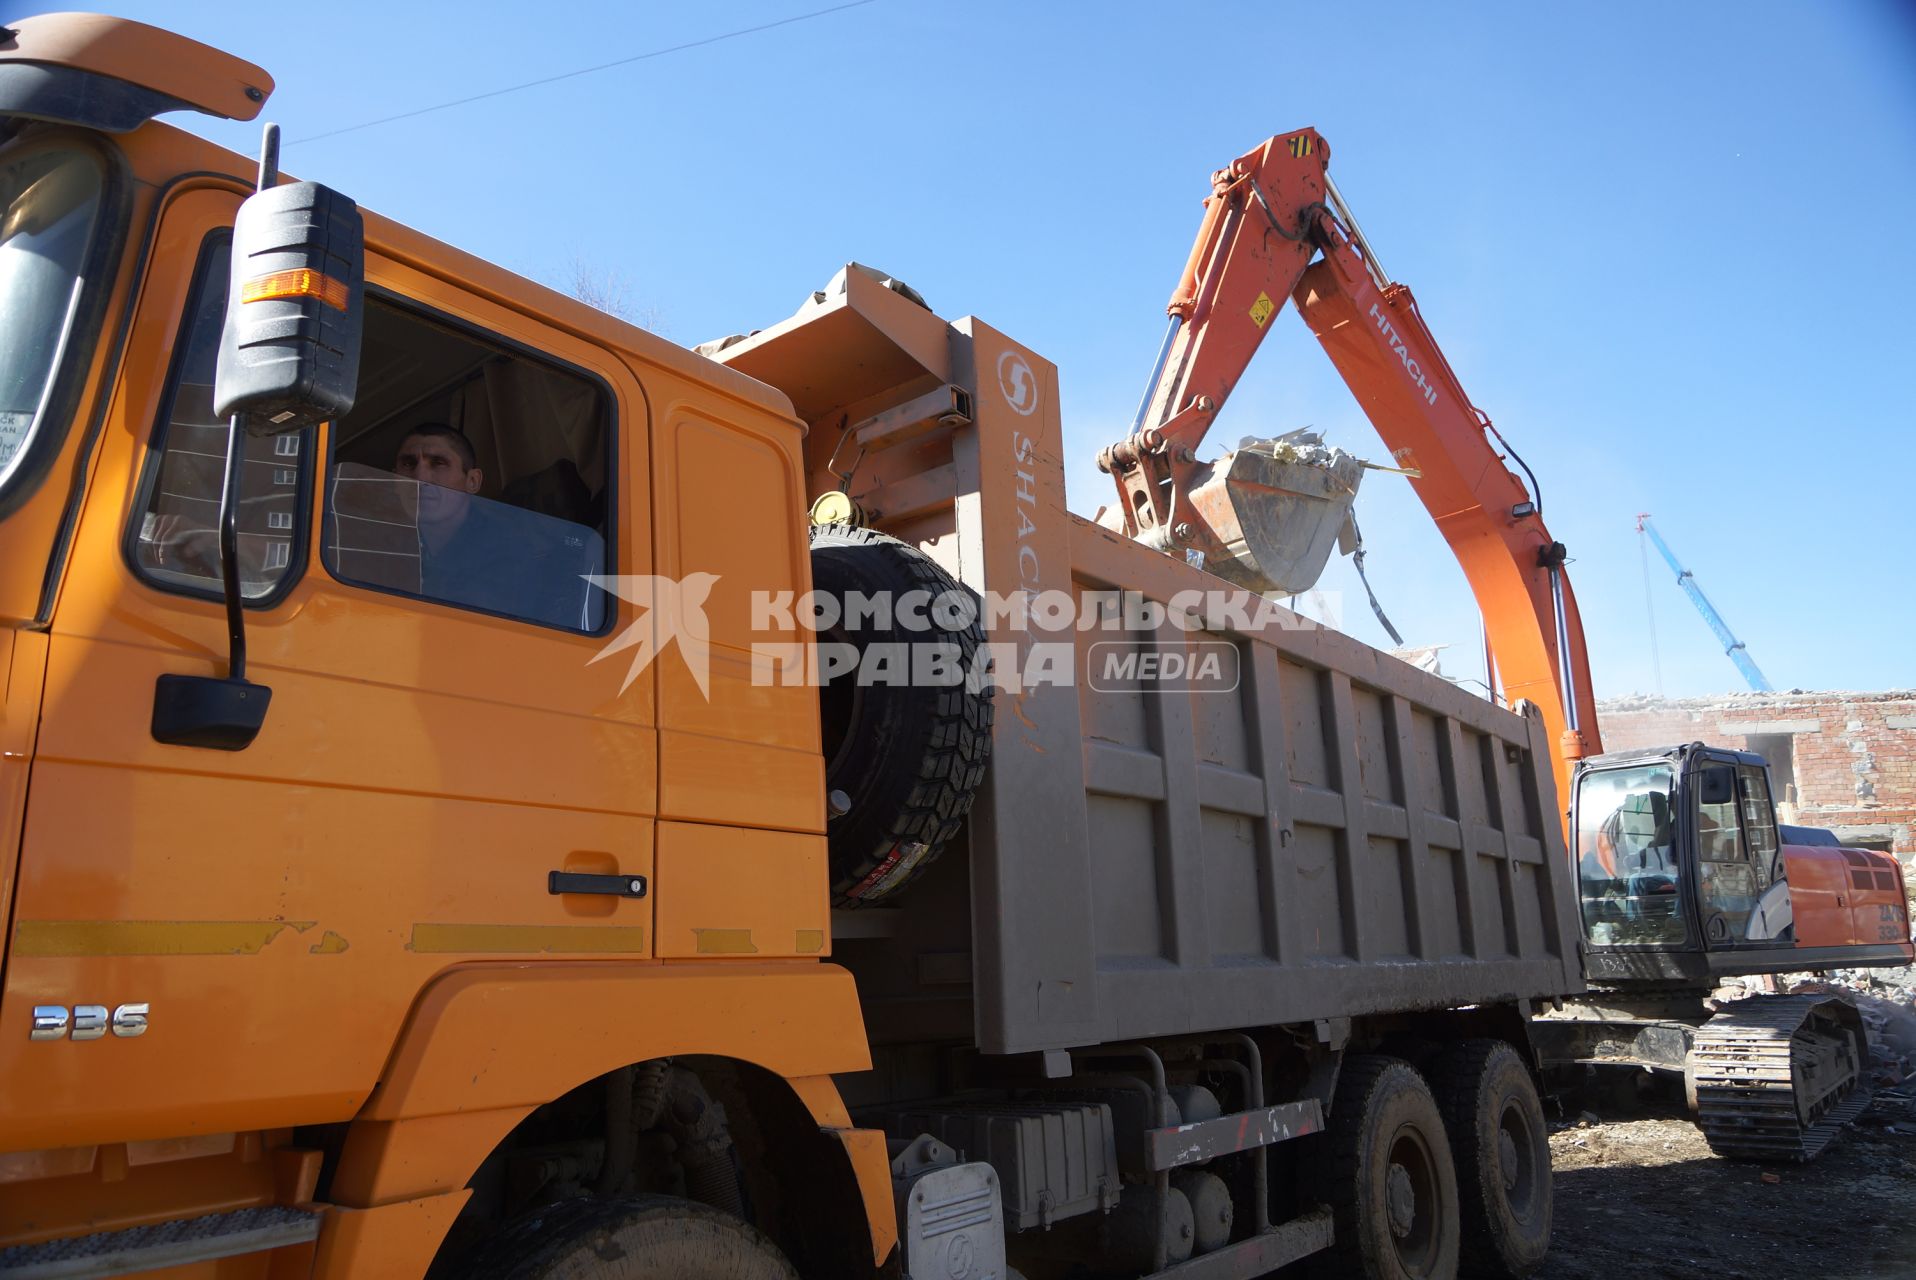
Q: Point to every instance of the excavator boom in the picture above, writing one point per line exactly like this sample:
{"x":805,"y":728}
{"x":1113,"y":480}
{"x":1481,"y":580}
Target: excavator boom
{"x":1770,"y":1077}
{"x":1275,"y":227}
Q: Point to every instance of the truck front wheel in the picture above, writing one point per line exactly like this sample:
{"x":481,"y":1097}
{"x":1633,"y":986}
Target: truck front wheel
{"x":630,"y":1238}
{"x":1392,"y":1189}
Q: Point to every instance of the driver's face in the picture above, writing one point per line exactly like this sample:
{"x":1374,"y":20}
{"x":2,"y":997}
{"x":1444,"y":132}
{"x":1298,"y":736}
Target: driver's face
{"x":434,"y":460}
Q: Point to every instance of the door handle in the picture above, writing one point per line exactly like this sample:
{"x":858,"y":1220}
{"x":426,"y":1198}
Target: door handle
{"x":558,"y":882}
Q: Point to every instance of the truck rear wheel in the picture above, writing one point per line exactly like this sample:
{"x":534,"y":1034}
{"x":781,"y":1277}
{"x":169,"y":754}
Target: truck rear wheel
{"x":1392,"y":1189}
{"x":1502,"y":1151}
{"x":630,"y":1238}
{"x":908,"y":754}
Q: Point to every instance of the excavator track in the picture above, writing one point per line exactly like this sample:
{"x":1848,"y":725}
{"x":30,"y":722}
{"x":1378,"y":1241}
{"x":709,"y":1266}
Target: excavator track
{"x":1777,"y":1077}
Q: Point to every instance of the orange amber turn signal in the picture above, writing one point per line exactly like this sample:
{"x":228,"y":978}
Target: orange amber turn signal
{"x":301,"y":283}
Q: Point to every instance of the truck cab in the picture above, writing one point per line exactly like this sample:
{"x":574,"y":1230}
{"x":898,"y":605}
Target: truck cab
{"x":1683,"y":874}
{"x":242,"y":982}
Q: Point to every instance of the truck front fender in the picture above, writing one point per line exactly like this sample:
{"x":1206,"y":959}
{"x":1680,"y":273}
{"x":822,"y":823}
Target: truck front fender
{"x":487,"y":1043}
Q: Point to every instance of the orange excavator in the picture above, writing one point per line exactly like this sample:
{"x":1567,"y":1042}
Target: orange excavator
{"x":1685,"y":877}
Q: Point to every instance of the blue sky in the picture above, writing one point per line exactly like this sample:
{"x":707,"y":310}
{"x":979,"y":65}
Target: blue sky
{"x":1666,"y":247}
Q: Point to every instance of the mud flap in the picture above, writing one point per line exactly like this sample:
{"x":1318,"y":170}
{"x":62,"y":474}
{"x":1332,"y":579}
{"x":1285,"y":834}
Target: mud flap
{"x":950,"y":1215}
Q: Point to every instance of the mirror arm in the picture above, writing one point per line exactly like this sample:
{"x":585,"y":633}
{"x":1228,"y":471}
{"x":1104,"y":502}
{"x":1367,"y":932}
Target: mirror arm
{"x":205,"y":711}
{"x":236,"y":469}
{"x":229,"y":549}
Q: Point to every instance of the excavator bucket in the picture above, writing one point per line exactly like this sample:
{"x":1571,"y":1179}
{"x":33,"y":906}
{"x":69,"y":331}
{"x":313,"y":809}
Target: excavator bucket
{"x":1278,"y":506}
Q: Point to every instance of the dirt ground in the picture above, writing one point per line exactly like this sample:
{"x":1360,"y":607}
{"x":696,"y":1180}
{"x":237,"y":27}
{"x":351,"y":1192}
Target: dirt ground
{"x":1638,"y":1194}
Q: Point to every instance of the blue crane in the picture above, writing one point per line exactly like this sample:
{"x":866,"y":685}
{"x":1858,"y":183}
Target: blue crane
{"x":1731,"y":645}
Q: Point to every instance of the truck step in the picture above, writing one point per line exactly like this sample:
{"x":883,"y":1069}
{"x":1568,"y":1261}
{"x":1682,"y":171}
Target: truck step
{"x":165,"y":1244}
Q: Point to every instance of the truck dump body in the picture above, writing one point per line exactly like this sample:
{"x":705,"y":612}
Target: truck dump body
{"x":1339,"y":834}
{"x":1332,"y":834}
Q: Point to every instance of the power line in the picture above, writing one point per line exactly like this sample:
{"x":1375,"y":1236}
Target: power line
{"x":583,"y":71}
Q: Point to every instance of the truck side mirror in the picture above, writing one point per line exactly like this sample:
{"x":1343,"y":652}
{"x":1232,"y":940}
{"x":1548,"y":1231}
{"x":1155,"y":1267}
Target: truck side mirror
{"x":1718,"y":784}
{"x":289,"y":356}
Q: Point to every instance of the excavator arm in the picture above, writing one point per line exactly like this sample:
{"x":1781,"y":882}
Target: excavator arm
{"x":1275,"y":227}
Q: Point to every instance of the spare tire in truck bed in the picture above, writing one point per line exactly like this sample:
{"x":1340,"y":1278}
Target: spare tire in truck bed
{"x":907,"y":730}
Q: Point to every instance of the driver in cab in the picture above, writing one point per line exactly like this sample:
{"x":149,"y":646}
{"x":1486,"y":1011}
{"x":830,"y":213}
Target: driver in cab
{"x":462,"y":548}
{"x":485,"y":554}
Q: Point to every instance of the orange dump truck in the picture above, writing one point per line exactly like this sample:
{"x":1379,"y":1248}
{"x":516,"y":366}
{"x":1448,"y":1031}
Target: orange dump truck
{"x":460,"y":813}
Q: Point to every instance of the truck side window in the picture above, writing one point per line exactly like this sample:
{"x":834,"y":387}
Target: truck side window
{"x":175,"y":542}
{"x":472,"y":474}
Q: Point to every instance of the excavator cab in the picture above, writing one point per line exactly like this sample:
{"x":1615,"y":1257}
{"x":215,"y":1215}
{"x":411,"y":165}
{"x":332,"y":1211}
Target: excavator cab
{"x":1685,"y":880}
{"x":1678,"y":857}
{"x":1684,"y":875}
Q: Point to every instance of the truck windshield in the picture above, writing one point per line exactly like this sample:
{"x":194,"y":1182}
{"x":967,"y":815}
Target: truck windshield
{"x":1626,"y":852}
{"x":49,"y":205}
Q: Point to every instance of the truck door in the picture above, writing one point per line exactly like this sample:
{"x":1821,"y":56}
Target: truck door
{"x":1743,"y":898}
{"x":435,"y":747}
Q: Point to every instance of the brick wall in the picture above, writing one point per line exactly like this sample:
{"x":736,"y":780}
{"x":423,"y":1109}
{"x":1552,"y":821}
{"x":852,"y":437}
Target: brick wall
{"x":1852,"y":755}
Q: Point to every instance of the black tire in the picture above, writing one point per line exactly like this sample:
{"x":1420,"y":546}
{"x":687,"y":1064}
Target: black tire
{"x":909,"y":757}
{"x":1502,"y":1150}
{"x":1391,"y":1186}
{"x":629,"y":1238}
